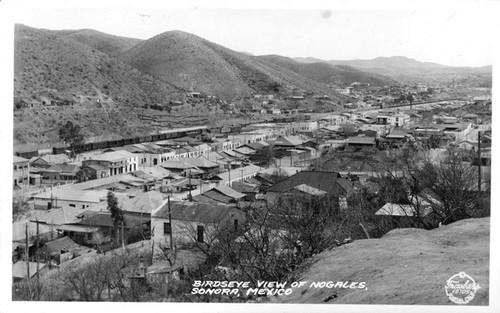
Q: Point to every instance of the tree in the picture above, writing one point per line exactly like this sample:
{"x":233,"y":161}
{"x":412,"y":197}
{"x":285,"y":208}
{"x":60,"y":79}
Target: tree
{"x":71,"y":134}
{"x":116,"y":214}
{"x":19,"y":207}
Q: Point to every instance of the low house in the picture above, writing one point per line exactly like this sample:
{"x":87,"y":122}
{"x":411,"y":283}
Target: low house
{"x":285,"y":143}
{"x":75,"y":198}
{"x":240,"y":174}
{"x":360,"y":143}
{"x":48,"y":160}
{"x":60,"y":173}
{"x":312,"y":183}
{"x":249,"y":190}
{"x":61,"y":250}
{"x":96,"y":171}
{"x":21,"y":171}
{"x":117,"y":162}
{"x":21,"y":270}
{"x":222,"y":194}
{"x":188,"y":223}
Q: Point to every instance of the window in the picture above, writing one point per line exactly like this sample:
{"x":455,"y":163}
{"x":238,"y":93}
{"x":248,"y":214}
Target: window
{"x":200,"y":231}
{"x":235,"y":225}
{"x":72,"y":205}
{"x":167,"y":228}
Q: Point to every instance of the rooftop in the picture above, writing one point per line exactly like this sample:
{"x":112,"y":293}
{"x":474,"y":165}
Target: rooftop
{"x":195,"y":211}
{"x":323,"y":181}
{"x":114,"y":156}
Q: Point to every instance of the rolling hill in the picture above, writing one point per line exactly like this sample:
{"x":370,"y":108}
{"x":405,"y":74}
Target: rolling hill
{"x":411,"y":71}
{"x":51,"y":68}
{"x":327,"y":73}
{"x":109,"y":44}
{"x":190,"y":62}
{"x":415,"y":270}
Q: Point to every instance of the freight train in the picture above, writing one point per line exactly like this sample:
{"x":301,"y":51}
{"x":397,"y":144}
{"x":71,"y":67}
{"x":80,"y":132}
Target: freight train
{"x":162,"y":135}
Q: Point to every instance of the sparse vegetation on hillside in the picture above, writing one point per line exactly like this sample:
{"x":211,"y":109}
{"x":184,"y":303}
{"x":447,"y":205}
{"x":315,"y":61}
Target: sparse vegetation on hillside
{"x":187,"y":61}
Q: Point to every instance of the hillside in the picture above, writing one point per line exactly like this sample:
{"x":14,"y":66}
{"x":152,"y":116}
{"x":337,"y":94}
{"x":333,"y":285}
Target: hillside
{"x":328,"y":73}
{"x":97,"y":91}
{"x":410,"y":71}
{"x":193,"y":63}
{"x":406,"y":266}
{"x":108,"y":44}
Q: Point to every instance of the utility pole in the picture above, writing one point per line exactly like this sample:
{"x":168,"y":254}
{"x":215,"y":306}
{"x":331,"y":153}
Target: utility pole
{"x":170,"y":223}
{"x":123,"y":241}
{"x":479,"y":163}
{"x":229,"y":173}
{"x":190,"y":195}
{"x":37,"y":252}
{"x":27,"y":253}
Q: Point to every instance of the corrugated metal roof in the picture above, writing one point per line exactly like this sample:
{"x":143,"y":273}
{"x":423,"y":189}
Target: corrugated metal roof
{"x":73,"y":195}
{"x":361,"y":140}
{"x":325,"y":181}
{"x":59,"y":244}
{"x":195,"y":211}
{"x":19,"y":269}
{"x":113,"y":156}
{"x":393,"y":209}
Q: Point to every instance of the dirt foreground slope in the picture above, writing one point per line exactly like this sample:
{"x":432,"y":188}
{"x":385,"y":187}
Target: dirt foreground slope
{"x":406,"y":266}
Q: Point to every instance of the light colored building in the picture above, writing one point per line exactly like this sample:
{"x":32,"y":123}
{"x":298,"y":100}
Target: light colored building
{"x":21,"y":171}
{"x":117,"y":162}
{"x":190,"y":222}
{"x":75,"y":198}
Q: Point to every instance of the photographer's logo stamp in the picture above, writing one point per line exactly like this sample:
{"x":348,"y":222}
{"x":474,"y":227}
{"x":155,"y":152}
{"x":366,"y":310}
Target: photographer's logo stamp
{"x":461,"y":288}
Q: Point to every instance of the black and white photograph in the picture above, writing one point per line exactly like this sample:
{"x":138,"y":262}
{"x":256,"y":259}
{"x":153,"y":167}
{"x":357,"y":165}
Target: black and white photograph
{"x":278,"y":156}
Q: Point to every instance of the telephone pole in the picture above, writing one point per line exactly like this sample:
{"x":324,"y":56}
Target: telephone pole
{"x":479,"y":163}
{"x":27,"y":253}
{"x":170,"y":223}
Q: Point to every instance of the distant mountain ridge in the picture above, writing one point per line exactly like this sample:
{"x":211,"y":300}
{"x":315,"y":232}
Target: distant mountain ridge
{"x":407,"y":70}
{"x":328,"y":73}
{"x":193,"y":63}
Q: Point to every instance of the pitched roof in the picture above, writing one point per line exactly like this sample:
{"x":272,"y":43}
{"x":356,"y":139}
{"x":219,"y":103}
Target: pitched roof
{"x":98,"y":167}
{"x":59,"y":244}
{"x":201,"y":162}
{"x":57,"y":216}
{"x":228,"y":191}
{"x":397,"y":133}
{"x":195,"y":211}
{"x":113,"y":156}
{"x":309,"y":190}
{"x":217,"y":196}
{"x":361,"y":140}
{"x":17,"y":159}
{"x":146,"y":202}
{"x":394,"y":209}
{"x":242,"y":171}
{"x":257,"y":145}
{"x":52,"y":158}
{"x":288,"y":141}
{"x":98,"y":183}
{"x":177,"y":164}
{"x":325,"y":181}
{"x":63,"y":168}
{"x":73,"y":195}
{"x":19,"y":269}
{"x":244,"y":187}
{"x":245,"y":150}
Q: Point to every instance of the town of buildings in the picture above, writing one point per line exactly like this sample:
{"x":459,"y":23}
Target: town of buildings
{"x":180,"y":188}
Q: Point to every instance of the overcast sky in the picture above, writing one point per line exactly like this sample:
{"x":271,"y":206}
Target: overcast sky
{"x":447,"y":34}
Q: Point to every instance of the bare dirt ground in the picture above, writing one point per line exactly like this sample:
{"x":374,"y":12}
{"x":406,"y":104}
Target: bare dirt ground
{"x":406,"y":266}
